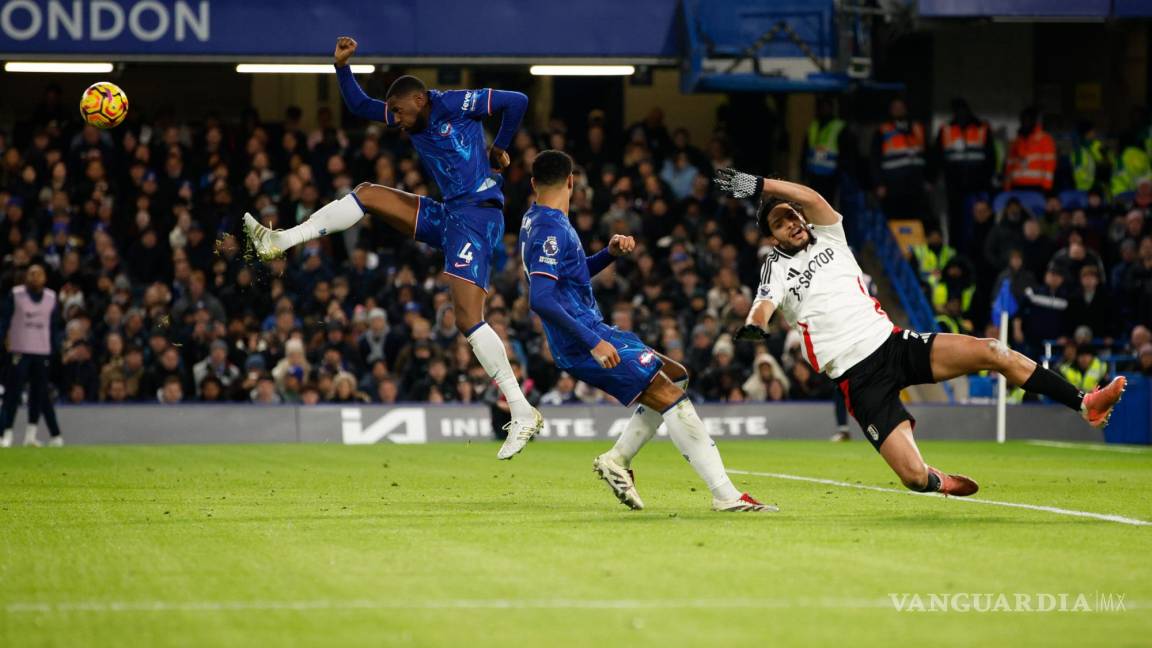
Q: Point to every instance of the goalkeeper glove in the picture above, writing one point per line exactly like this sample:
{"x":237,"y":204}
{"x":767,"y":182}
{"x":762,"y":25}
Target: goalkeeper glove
{"x":739,"y":184}
{"x":751,"y":333}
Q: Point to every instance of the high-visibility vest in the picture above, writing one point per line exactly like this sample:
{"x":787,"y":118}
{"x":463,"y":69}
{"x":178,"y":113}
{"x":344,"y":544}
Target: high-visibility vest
{"x":947,"y":324}
{"x":964,"y":144}
{"x":930,"y":263}
{"x":940,"y":296}
{"x":824,"y":147}
{"x":1031,"y":162}
{"x":1088,"y":379}
{"x":1085,"y":159}
{"x":1132,"y":168}
{"x":901,"y":148}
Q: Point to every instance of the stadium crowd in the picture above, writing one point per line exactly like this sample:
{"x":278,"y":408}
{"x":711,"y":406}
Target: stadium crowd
{"x":161,"y":303}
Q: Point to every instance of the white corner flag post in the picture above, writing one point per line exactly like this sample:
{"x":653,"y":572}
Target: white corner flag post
{"x":1002,"y":387}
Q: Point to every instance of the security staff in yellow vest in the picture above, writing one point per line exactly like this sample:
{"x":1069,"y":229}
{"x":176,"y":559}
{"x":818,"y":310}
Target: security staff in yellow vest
{"x":951,"y":319}
{"x":829,"y":149}
{"x":899,"y":164}
{"x":1091,"y":162}
{"x":1085,"y":371}
{"x":1132,"y":167}
{"x":955,"y":282}
{"x":931,"y":256}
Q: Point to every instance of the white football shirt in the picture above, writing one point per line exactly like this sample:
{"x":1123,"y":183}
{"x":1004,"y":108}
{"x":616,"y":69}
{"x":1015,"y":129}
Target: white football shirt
{"x":821,"y":290}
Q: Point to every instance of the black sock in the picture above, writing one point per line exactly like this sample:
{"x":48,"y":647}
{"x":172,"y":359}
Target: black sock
{"x":933,"y":484}
{"x":1051,"y":384}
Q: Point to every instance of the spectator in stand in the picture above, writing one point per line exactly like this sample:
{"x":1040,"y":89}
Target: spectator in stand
{"x":1031,"y":161}
{"x":829,"y":150}
{"x":1093,"y":306}
{"x":1044,"y":313}
{"x":965,"y":153}
{"x":563,"y":393}
{"x":899,"y":166}
{"x":1084,"y":370}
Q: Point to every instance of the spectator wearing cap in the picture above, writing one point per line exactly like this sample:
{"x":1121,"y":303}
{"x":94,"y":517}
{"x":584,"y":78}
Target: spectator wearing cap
{"x":372,"y":341}
{"x":217,"y":365}
{"x":294,"y":358}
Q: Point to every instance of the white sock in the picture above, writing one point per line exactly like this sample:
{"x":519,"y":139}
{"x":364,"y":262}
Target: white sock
{"x":640,"y":429}
{"x":336,"y":216}
{"x":489,"y":350}
{"x":687,"y":432}
{"x":30,"y":432}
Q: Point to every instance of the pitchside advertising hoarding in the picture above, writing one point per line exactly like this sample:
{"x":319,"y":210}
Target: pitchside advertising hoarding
{"x":164,"y":29}
{"x":363,"y":425}
{"x":417,"y":423}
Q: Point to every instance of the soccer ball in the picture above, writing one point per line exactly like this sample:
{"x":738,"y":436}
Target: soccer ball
{"x":104,"y":105}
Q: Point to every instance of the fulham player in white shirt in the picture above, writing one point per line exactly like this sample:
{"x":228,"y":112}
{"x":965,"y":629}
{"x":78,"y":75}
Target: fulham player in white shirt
{"x":811,"y":277}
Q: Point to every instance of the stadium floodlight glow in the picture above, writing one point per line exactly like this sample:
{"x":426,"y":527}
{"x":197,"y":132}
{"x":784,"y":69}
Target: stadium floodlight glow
{"x":298,"y":68}
{"x":61,"y":67}
{"x":582,"y":70}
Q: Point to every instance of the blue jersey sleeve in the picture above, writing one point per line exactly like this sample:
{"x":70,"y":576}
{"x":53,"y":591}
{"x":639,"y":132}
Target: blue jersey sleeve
{"x":546,"y":249}
{"x":543,"y":300}
{"x":476,"y":104}
{"x":358,"y":103}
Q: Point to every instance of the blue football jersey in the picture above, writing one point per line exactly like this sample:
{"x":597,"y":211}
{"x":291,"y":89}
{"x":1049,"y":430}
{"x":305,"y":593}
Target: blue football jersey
{"x":452,"y":146}
{"x":549,"y":246}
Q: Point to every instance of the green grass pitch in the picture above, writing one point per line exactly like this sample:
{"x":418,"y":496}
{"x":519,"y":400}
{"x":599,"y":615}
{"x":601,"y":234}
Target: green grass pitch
{"x":444,"y":545}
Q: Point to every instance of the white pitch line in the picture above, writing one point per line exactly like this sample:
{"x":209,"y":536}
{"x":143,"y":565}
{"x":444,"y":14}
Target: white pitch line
{"x":1090,"y":446}
{"x":449,"y":604}
{"x":1106,"y":517}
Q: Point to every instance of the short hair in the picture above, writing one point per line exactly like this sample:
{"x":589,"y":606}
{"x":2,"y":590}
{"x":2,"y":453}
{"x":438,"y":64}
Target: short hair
{"x":404,"y":86}
{"x":551,"y":167}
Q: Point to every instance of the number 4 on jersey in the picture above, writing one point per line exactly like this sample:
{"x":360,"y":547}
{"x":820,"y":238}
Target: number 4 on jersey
{"x":466,"y":253}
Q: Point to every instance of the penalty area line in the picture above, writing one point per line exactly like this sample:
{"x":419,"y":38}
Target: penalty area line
{"x":1104,"y":517}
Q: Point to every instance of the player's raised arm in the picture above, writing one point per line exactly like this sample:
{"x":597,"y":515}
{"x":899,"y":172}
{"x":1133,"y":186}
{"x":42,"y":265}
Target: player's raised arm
{"x":511,"y":105}
{"x":359,"y":103}
{"x":745,"y":185}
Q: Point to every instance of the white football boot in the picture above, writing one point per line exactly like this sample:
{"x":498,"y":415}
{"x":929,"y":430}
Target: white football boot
{"x":6,"y":438}
{"x":56,"y":442}
{"x":30,"y":440}
{"x":743,"y":504}
{"x":620,"y":479}
{"x":267,"y":242}
{"x":520,"y":432}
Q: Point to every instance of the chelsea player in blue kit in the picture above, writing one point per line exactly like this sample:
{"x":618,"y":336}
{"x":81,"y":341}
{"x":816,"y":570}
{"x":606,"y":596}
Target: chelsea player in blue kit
{"x":445,"y":128}
{"x":560,"y":291}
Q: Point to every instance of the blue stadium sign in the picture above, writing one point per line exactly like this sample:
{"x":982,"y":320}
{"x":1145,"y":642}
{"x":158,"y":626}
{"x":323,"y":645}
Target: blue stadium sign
{"x":386,"y":29}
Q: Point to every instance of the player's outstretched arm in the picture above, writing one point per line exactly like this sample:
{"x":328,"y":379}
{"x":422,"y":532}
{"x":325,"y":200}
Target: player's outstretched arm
{"x":756,"y":324}
{"x":359,"y":103}
{"x":745,"y":185}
